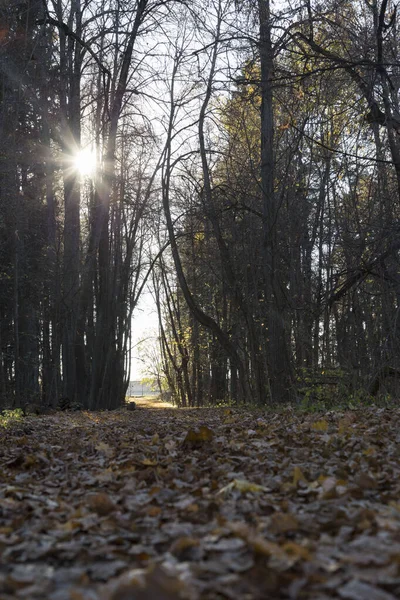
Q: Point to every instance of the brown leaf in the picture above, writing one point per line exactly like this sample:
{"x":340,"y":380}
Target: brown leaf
{"x":297,"y":551}
{"x":101,"y":503}
{"x":365,"y":481}
{"x":282,"y":523}
{"x":198,"y":437}
{"x":184,"y":548}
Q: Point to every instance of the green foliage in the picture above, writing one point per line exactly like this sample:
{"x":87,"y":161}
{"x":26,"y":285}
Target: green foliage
{"x":9,"y":417}
{"x":318,"y":390}
{"x":331,"y":389}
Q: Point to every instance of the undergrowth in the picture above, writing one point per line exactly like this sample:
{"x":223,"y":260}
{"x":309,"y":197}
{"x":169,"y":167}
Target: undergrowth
{"x":10,"y":416}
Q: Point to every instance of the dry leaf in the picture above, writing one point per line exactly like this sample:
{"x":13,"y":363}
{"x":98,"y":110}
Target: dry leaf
{"x":365,"y":481}
{"x":298,"y":476}
{"x":101,"y":503}
{"x":321,"y":425}
{"x":243,"y":486}
{"x":282,"y":523}
{"x":198,"y":437}
{"x":105,"y":449}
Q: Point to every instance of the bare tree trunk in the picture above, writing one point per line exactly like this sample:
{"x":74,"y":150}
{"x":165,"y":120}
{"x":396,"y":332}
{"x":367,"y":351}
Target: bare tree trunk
{"x":70,"y":104}
{"x":278,"y":354}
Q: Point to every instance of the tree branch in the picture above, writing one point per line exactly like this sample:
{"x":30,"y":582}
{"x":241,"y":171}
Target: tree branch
{"x":48,"y":20}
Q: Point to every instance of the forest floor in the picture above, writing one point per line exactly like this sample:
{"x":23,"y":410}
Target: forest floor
{"x":206,"y":504}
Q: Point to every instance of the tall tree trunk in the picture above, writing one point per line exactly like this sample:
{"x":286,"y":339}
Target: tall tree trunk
{"x":70,"y":102}
{"x":278,"y":354}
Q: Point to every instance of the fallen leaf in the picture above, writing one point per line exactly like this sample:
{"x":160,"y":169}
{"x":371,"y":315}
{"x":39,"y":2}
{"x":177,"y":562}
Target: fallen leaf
{"x":198,"y":437}
{"x":282,"y":523}
{"x":297,"y":551}
{"x":242,"y":486}
{"x":321,"y":425}
{"x":148,"y":462}
{"x":101,"y":503}
{"x":298,"y":476}
{"x":105,"y":449}
{"x":365,"y":481}
{"x":329,"y":485}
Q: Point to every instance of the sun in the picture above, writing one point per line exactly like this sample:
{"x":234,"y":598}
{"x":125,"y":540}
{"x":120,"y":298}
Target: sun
{"x":85,"y":162}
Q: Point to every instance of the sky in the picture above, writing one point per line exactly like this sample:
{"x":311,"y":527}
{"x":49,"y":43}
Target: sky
{"x":144,"y":326}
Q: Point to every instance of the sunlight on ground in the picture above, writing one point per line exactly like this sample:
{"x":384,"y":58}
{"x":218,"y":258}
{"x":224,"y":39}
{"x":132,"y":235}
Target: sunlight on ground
{"x":150,"y":402}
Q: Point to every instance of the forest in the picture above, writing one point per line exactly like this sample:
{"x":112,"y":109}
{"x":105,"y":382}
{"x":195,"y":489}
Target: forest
{"x":240,"y":158}
{"x":239,"y":161}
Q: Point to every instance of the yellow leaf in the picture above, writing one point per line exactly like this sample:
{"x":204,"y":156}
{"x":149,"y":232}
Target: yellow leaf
{"x":298,"y":476}
{"x":243,"y":486}
{"x":149,"y":463}
{"x":197,"y":437}
{"x":6,"y":530}
{"x":321,"y":425}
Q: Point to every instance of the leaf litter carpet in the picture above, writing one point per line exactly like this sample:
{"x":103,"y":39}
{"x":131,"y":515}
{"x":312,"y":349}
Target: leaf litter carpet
{"x":206,"y":504}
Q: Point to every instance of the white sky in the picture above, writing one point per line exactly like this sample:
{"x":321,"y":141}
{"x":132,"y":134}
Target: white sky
{"x":144,"y":325}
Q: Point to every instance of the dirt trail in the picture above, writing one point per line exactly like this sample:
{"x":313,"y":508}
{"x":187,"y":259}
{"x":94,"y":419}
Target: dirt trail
{"x":150,"y":402}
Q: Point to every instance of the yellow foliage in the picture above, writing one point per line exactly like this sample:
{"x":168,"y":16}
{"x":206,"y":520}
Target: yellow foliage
{"x":321,"y":425}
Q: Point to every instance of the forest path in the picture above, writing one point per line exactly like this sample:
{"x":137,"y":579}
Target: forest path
{"x":201,"y":504}
{"x":150,"y":402}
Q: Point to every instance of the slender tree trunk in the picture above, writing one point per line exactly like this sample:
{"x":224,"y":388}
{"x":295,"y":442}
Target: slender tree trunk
{"x":70,"y":103}
{"x":278,"y":354}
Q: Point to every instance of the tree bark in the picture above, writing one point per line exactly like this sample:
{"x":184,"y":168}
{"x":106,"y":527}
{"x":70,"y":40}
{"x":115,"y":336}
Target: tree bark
{"x":278,"y":354}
